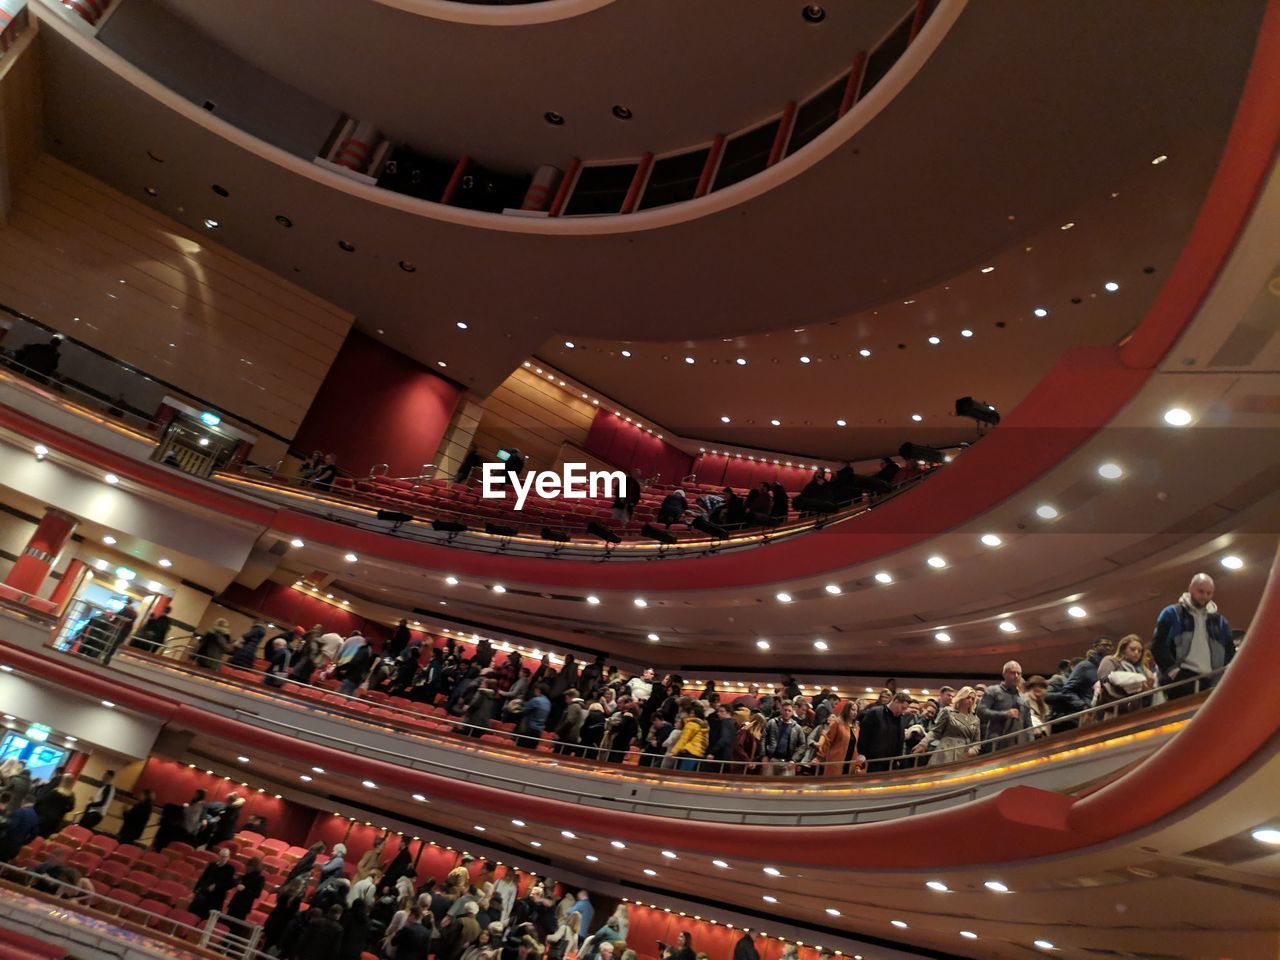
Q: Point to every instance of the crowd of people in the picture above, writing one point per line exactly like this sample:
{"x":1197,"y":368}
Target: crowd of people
{"x":596,"y":712}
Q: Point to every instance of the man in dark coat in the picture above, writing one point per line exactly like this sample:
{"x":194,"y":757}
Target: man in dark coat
{"x":322,"y":936}
{"x":211,"y":889}
{"x":880,"y":734}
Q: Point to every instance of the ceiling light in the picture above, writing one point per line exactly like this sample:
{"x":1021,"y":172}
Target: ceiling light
{"x":804,"y":359}
{"x":498,"y":588}
{"x":938,"y":885}
{"x":1156,"y":161}
{"x":762,"y":644}
{"x":1177,"y":417}
{"x":420,"y":798}
{"x":900,"y":924}
{"x":441,"y":363}
{"x":1267,"y":835}
{"x":768,"y":899}
{"x":724,"y":419}
{"x":568,"y":344}
{"x":649,"y":872}
{"x":987,"y":269}
{"x":1077,"y":613}
{"x":296,"y":543}
{"x":773,"y":871}
{"x":784,"y":598}
{"x":883,"y":577}
{"x":820,"y":645}
{"x":479,"y":829}
{"x":1110,"y":471}
{"x":1068,"y":225}
{"x":670,"y":854}
{"x":720,"y":863}
{"x":451,"y":581}
{"x":916,"y":417}
{"x":241,"y":759}
{"x":40,"y":450}
{"x":935,"y":340}
{"x":942,"y":636}
{"x":1111,"y":286}
{"x":593,"y":858}
{"x":841,"y":423}
{"x":776,"y":423}
{"x":593,"y":600}
{"x":833,"y":911}
{"x":211,"y":223}
{"x":966,"y":332}
{"x":517,"y":823}
{"x":109,"y":540}
{"x":369,"y":784}
{"x":936,"y":562}
{"x":689,"y":360}
{"x":535,"y":843}
{"x":640,"y":602}
{"x":305,"y":778}
{"x":653,"y":637}
{"x":317,"y":769}
{"x":864,"y":352}
{"x":626,"y":353}
{"x":617,"y":844}
{"x":991,"y":539}
{"x":1040,"y":312}
{"x":996,"y":886}
{"x":832,"y":589}
{"x":112,"y":479}
{"x":1008,"y":626}
{"x":1232,"y":562}
{"x":568,"y":835}
{"x":350,"y":558}
{"x":1047,"y":511}
{"x":1043,"y":944}
{"x":968,"y":935}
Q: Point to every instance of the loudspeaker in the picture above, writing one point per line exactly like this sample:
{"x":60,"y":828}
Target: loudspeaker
{"x":598,"y":529}
{"x":704,"y":525}
{"x":448,"y":526}
{"x":559,"y":536}
{"x":500,"y":530}
{"x":395,"y":516}
{"x":656,"y":533}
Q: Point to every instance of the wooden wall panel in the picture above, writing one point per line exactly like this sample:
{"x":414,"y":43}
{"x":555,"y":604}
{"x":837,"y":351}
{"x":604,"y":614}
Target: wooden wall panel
{"x":115,"y":274}
{"x":535,"y":415}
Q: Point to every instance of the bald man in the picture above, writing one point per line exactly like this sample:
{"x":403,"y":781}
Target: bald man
{"x":1191,"y":639}
{"x":1003,"y":709}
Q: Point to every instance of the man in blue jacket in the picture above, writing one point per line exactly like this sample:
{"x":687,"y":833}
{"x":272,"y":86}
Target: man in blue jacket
{"x":533,"y":718}
{"x":1192,"y":638}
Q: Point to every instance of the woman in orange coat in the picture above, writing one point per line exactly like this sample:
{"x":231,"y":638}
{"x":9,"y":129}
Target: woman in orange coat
{"x":838,"y":740}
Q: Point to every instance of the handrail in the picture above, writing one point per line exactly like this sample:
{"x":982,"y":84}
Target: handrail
{"x":208,"y":936}
{"x":1093,"y":715}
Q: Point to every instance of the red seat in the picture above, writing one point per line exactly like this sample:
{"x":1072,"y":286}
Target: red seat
{"x":188,"y":919}
{"x":123,"y":896}
{"x":126,"y":853}
{"x":76,"y":835}
{"x":171,"y":892}
{"x":248,"y":836}
{"x":150,"y":860}
{"x":159,"y":909}
{"x":109,"y":872}
{"x":274,"y":845}
{"x":179,"y":849}
{"x":102,"y":845}
{"x":138,"y":882}
{"x":84,"y":861}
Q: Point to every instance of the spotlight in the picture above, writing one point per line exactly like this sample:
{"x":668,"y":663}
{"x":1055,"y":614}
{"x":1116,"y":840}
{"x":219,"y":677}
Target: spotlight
{"x":395,"y":516}
{"x":500,"y":530}
{"x":558,"y":536}
{"x":598,"y":529}
{"x":650,"y":532}
{"x":979,"y":411}
{"x":448,"y":526}
{"x":916,"y":451}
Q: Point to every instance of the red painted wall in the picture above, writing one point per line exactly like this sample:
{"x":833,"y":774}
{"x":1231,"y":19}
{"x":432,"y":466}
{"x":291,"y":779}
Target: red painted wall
{"x":378,"y":406}
{"x":174,"y":782}
{"x":626,"y":445}
{"x":743,"y":473}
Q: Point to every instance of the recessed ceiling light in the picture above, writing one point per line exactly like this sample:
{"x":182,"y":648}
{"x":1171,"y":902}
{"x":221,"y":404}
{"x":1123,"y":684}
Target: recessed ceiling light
{"x":936,"y":562}
{"x":553,"y":118}
{"x":296,"y":543}
{"x":1043,"y":944}
{"x":987,"y":269}
{"x":996,"y":886}
{"x":773,"y":871}
{"x":916,"y":417}
{"x":350,"y":558}
{"x":617,"y":844}
{"x":833,"y":911}
{"x":640,"y":602}
{"x":1047,"y":511}
{"x":653,"y":637}
{"x":724,"y":419}
{"x":1156,"y":161}
{"x":317,"y":769}
{"x":441,"y":364}
{"x":479,"y":829}
{"x":935,"y":340}
{"x":784,"y":598}
{"x":820,"y":645}
{"x":762,"y":644}
{"x":938,"y":885}
{"x":690,"y":360}
{"x":883,"y":577}
{"x":109,"y":540}
{"x":592,"y":857}
{"x":369,"y":784}
{"x":498,"y":588}
{"x":211,"y":223}
{"x":724,"y":866}
{"x":1177,"y":417}
{"x":670,"y":854}
{"x":420,"y":798}
{"x":305,"y":778}
{"x":832,"y":589}
{"x":1111,"y":286}
{"x":900,"y":924}
{"x":451,"y":581}
{"x":1008,"y":626}
{"x":648,"y":872}
{"x":841,"y":423}
{"x":968,"y":935}
{"x":768,"y":899}
{"x":1077,"y":613}
{"x":991,"y":539}
{"x":1110,"y":471}
{"x":1267,"y":835}
{"x":535,"y":843}
{"x":1040,"y":312}
{"x":966,"y":332}
{"x":1068,"y":225}
{"x":568,"y":835}
{"x":593,"y":600}
{"x":108,"y":704}
{"x":1232,"y":562}
{"x":864,"y":352}
{"x":942,"y":636}
{"x":241,"y":759}
{"x":517,"y":823}
{"x":804,"y":359}
{"x":112,"y":479}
